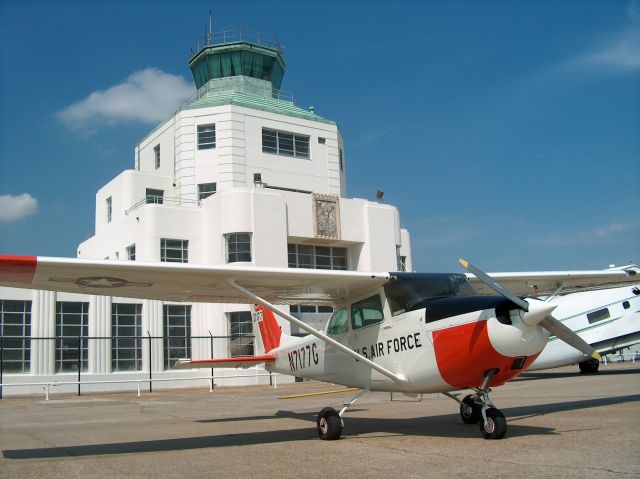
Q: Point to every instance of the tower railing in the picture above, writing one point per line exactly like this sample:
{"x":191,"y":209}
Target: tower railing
{"x":218,"y":85}
{"x":235,"y":36}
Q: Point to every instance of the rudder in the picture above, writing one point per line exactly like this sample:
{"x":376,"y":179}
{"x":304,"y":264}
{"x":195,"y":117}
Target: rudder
{"x":270,"y":331}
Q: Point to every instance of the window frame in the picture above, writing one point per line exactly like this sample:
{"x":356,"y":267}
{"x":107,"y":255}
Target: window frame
{"x":66,"y":357}
{"x":237,"y":322}
{"x":201,"y":134}
{"x":156,"y":156}
{"x":234,"y":256}
{"x":175,"y":347}
{"x":20,"y":312}
{"x":306,"y":256}
{"x":285,"y":143}
{"x":183,"y":248}
{"x":360,"y":307}
{"x":109,"y":202}
{"x":206,"y":193}
{"x":598,"y":315}
{"x":131,"y":252}
{"x":152,"y":197}
{"x":333,"y":328}
{"x":120,"y":342}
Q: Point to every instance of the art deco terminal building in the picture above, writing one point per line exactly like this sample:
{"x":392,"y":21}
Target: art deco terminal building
{"x":238,"y":175}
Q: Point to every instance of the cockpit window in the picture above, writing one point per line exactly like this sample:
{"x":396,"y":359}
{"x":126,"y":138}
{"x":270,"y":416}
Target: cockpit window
{"x":409,"y":290}
{"x":366,"y":312}
{"x":339,"y":322}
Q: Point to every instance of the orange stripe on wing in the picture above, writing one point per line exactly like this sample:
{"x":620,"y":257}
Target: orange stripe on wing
{"x":17,"y":269}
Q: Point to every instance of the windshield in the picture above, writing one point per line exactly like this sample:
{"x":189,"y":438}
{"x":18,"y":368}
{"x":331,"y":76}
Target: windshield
{"x":409,"y":289}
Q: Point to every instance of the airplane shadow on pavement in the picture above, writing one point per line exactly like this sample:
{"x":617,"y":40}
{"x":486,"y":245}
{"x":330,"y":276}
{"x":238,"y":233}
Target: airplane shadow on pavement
{"x":445,"y":425}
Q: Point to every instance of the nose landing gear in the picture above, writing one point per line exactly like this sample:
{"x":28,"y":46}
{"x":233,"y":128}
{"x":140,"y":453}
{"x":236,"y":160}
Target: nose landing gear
{"x":478,"y":409}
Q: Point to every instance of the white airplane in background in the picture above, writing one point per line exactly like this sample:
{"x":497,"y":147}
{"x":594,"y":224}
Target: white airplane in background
{"x":607,"y":319}
{"x":406,"y":332}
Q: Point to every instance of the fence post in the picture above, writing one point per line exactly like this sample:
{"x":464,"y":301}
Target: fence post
{"x":79,"y":361}
{"x":212,"y":383}
{"x":150,"y":364}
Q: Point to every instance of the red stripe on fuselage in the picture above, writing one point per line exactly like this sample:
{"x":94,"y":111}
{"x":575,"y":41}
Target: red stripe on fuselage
{"x":17,"y":269}
{"x":464,"y":353}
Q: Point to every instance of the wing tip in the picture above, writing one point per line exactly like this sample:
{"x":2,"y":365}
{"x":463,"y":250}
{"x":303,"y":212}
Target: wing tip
{"x":17,"y":269}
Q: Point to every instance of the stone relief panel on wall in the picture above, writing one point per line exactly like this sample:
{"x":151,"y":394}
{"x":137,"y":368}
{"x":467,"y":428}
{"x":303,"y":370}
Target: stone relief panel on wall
{"x":327,"y":216}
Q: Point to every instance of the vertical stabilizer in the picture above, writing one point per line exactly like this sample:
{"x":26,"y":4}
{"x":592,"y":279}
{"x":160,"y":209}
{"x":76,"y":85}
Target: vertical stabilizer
{"x":269,"y":328}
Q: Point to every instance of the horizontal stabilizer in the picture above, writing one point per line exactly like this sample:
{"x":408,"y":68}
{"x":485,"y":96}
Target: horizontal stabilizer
{"x":239,"y":362}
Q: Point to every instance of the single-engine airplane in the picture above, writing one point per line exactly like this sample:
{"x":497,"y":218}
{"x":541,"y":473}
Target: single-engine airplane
{"x":406,"y":332}
{"x":607,"y":319}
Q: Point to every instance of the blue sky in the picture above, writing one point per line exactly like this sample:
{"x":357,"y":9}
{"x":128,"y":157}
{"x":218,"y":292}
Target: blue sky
{"x":505,"y":132}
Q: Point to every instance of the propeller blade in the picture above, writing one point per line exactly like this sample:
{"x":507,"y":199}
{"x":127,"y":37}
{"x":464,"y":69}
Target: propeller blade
{"x":497,"y":287}
{"x":549,"y":323}
{"x":558,"y":329}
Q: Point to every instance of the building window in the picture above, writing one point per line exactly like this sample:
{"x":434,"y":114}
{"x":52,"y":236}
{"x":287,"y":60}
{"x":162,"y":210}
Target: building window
{"x":599,"y":315}
{"x":401,"y":260}
{"x":156,"y":155}
{"x":321,"y":140}
{"x":126,"y":333}
{"x":206,"y":137}
{"x":341,"y":161}
{"x":109,"y":209}
{"x":314,"y":316}
{"x":238,"y":247}
{"x":155,"y":196}
{"x":205,"y":190}
{"x":286,"y":144}
{"x":174,"y":251}
{"x":131,"y":252}
{"x":177,"y":333}
{"x":240,"y":334}
{"x":317,"y":257}
{"x":72,"y":329}
{"x":15,"y":331}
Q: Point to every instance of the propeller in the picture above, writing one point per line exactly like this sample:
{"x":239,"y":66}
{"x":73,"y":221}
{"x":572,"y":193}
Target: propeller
{"x":549,"y":323}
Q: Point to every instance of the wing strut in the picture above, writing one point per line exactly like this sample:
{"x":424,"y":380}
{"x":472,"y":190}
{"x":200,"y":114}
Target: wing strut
{"x":400,"y":379}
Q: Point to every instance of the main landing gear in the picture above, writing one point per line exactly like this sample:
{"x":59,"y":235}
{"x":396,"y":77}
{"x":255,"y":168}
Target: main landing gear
{"x":330,"y":424}
{"x":478,"y":409}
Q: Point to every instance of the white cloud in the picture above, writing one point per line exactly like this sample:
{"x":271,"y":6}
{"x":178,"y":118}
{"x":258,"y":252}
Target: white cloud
{"x":14,"y":208}
{"x":147,"y":96}
{"x":610,"y":230}
{"x":621,"y":53}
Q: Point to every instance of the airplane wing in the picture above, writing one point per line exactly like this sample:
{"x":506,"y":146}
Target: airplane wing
{"x":186,"y":282}
{"x":239,"y":362}
{"x":545,"y":282}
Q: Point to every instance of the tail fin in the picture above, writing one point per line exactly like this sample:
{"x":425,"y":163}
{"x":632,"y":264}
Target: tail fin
{"x":269,"y":328}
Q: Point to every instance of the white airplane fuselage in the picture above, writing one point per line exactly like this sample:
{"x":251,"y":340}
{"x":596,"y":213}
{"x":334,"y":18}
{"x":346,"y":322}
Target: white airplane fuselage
{"x":439,"y":356}
{"x":608,"y":320}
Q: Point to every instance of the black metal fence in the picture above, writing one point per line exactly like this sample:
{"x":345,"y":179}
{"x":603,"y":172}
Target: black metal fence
{"x":122,"y":361}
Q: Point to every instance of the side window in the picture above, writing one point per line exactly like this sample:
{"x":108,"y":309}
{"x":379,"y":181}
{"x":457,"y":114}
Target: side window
{"x":339,"y":322}
{"x":366,"y":312}
{"x":599,"y":315}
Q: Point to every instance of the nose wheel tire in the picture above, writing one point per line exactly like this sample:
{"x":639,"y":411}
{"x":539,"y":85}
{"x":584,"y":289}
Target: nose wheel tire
{"x":495,"y":427}
{"x":329,"y":424}
{"x":470,"y":411}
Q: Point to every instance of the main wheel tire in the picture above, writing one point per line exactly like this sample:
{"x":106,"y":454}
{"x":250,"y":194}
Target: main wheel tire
{"x":590,"y":366}
{"x":470,"y":412}
{"x":496,"y":426}
{"x":329,"y":424}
